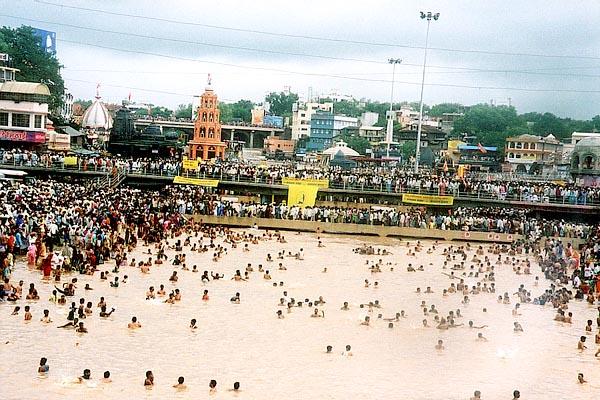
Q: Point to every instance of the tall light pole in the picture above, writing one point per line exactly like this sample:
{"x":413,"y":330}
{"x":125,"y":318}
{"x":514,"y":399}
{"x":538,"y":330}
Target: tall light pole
{"x":428,"y":16}
{"x":389,"y":134}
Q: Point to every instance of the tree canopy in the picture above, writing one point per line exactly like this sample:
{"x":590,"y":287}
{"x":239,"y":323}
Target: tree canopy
{"x":34,"y":63}
{"x":281,"y":103}
{"x":241,"y":110}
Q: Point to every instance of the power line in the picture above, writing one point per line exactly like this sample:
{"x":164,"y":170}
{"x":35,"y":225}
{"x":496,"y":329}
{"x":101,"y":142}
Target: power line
{"x":319,"y":38}
{"x":332,"y":75}
{"x":195,"y":42}
{"x":460,"y":70}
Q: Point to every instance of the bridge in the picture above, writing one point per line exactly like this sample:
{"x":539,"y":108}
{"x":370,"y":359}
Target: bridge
{"x":274,"y":190}
{"x":242,"y":133}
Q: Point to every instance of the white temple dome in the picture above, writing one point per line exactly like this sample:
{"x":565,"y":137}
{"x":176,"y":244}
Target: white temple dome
{"x":97,"y":116}
{"x":343,"y":147}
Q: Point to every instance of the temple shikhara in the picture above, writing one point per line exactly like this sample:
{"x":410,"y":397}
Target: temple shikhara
{"x":207,"y":143}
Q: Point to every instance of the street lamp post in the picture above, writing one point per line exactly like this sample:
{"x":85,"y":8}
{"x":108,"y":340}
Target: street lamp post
{"x":389,"y":134}
{"x":428,"y":16}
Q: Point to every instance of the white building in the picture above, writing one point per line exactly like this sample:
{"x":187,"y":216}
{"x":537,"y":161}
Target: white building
{"x":577,"y":136}
{"x":341,"y":121}
{"x":23,"y":112}
{"x":369,"y":118}
{"x":302,"y":115}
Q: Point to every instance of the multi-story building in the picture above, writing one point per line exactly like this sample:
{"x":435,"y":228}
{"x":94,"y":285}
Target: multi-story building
{"x":321,"y":131}
{"x":533,"y":154}
{"x":341,"y":121}
{"x":7,"y":73}
{"x":275,"y":144}
{"x":23,"y":112}
{"x":301,"y":117}
{"x":374,"y":134}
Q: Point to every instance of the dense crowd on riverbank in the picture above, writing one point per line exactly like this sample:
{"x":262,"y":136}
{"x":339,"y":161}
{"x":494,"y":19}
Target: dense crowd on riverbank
{"x":385,"y":179}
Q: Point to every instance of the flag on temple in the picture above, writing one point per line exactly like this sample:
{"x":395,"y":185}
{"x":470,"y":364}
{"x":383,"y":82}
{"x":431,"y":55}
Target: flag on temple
{"x":481,"y":148}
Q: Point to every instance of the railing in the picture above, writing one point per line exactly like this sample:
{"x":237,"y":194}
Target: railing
{"x":124,"y":171}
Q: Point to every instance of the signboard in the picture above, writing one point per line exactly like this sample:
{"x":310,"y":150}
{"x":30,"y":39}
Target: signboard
{"x":258,"y":116}
{"x":47,"y":40}
{"x":323,"y":183}
{"x":196,"y":181}
{"x":70,"y":161}
{"x":190,"y":164}
{"x":273,"y":120}
{"x":302,"y":194}
{"x":22,"y":136}
{"x":427,"y":199}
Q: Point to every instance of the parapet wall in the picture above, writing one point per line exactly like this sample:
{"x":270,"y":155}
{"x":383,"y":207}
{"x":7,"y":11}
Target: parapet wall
{"x":356,"y":229}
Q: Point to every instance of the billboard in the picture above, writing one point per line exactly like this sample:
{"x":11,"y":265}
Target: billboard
{"x":273,"y":120}
{"x":47,"y":40}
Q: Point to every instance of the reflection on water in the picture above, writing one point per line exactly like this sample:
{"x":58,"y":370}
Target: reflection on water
{"x":285,"y":358}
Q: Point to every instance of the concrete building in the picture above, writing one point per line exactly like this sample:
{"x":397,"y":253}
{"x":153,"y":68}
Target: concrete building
{"x":374,"y":134}
{"x":321,"y":131}
{"x":369,"y":118}
{"x":585,"y":161}
{"x":301,"y":117}
{"x":275,"y":144}
{"x":533,"y":154}
{"x":23,"y":112}
{"x":7,"y":74}
{"x":341,"y":121}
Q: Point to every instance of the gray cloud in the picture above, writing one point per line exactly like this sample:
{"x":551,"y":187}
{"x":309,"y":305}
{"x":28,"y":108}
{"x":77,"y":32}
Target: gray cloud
{"x":541,"y":27}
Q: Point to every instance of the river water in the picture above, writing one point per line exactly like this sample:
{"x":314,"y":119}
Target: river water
{"x":285,"y":358}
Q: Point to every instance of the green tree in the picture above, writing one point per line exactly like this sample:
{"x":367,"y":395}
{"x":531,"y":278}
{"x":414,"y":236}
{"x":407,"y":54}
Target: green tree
{"x":596,"y":122}
{"x":490,"y":125}
{"x":439,"y":109}
{"x":408,"y":149}
{"x":34,"y":63}
{"x":241,"y":110}
{"x":349,"y":108}
{"x":355,"y":142}
{"x":184,"y":111}
{"x":281,"y":103}
{"x":84,"y":103}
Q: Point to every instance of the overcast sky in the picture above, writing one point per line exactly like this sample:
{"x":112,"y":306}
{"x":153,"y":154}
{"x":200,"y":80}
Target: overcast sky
{"x":567,"y":84}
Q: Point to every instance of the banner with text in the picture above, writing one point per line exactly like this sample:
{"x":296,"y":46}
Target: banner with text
{"x":427,"y":199}
{"x":190,"y":164}
{"x":196,"y":181}
{"x":302,"y":195}
{"x":322,"y":183}
{"x":70,"y":161}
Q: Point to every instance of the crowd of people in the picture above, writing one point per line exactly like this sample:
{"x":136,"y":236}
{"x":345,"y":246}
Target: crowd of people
{"x":64,"y":229}
{"x":379,"y":178}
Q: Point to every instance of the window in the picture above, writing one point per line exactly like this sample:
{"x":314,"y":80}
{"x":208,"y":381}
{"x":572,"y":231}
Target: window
{"x":526,"y":145}
{"x":511,"y":155}
{"x":20,"y":120}
{"x":37,"y":122}
{"x":512,"y":145}
{"x":519,"y":145}
{"x":518,"y":156}
{"x":3,"y":119}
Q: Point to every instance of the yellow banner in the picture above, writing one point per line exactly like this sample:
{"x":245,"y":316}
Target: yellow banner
{"x":195,"y":181}
{"x":323,"y":183}
{"x":70,"y":160}
{"x":302,"y":195}
{"x":190,"y":164}
{"x":427,"y":199}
